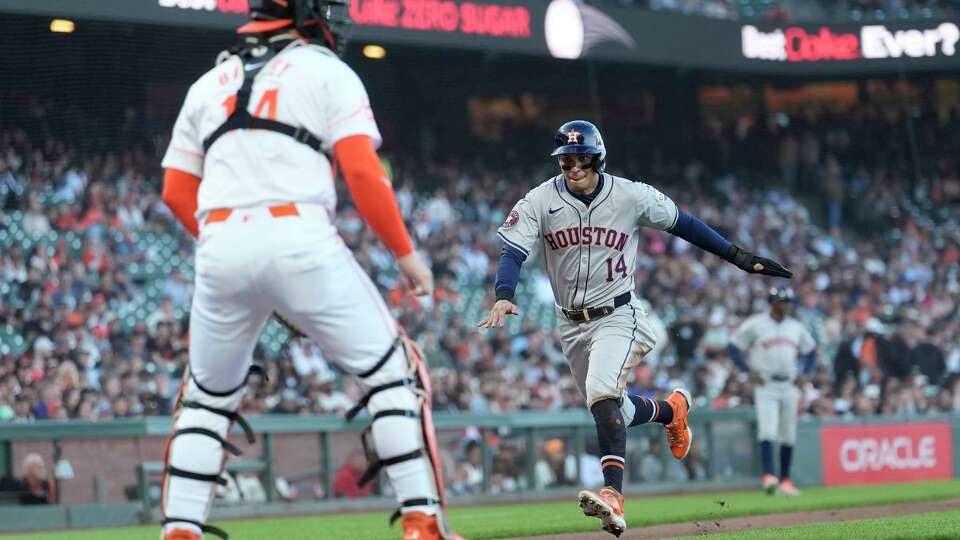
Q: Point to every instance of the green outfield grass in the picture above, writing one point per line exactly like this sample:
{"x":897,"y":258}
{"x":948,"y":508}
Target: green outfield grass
{"x":932,"y":526}
{"x":528,"y":519}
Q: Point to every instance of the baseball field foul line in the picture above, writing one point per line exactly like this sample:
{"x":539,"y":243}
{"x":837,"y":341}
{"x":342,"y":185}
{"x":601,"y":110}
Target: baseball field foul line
{"x":766,"y":521}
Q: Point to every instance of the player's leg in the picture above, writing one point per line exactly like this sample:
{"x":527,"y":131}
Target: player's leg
{"x":787,"y":436}
{"x":335,"y":304}
{"x":614,"y":350}
{"x":575,"y":345}
{"x":226,"y":318}
{"x":767,"y":406}
{"x":617,"y":343}
{"x":671,"y":412}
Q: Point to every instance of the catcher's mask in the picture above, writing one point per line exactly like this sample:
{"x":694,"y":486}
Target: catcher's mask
{"x":327,"y":21}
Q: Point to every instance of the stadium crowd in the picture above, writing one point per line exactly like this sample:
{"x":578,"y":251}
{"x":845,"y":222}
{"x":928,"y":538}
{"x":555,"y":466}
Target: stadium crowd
{"x":874,"y":245}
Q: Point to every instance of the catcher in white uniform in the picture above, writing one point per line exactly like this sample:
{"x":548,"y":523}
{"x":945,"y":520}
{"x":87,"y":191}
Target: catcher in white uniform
{"x":586,"y":224}
{"x":775,"y":342}
{"x":250,"y":172}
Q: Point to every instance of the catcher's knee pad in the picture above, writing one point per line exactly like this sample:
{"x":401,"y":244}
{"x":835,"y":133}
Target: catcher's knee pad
{"x":401,"y":437}
{"x":197,"y":452}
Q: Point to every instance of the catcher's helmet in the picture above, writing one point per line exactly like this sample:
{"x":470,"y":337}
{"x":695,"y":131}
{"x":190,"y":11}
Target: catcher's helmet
{"x":327,"y":19}
{"x":580,"y":137}
{"x":781,"y":294}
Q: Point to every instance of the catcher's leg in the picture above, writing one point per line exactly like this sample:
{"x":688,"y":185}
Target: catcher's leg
{"x":332,"y":302}
{"x":223,"y":332}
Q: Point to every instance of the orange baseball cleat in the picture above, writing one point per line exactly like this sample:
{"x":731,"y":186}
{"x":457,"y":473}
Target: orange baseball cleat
{"x":607,"y":505}
{"x":678,"y":432}
{"x":420,"y":526}
{"x":787,"y":488}
{"x":181,"y":534}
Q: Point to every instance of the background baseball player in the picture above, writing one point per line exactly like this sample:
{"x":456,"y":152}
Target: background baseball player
{"x":586,"y":223}
{"x":261,"y":130}
{"x":775,"y":341}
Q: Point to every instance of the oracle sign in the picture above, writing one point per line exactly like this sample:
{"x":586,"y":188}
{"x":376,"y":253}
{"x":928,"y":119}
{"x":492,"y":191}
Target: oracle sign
{"x":796,"y":44}
{"x":886,"y":453}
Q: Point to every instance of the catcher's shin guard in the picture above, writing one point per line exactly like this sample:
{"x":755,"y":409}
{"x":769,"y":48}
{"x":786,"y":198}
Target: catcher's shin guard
{"x":401,"y":437}
{"x":196,"y":453}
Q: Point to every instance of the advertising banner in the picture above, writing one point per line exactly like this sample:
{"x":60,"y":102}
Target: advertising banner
{"x":876,"y":453}
{"x":573,"y":29}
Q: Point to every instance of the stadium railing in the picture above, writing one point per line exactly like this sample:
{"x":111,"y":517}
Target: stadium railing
{"x":122,"y":456}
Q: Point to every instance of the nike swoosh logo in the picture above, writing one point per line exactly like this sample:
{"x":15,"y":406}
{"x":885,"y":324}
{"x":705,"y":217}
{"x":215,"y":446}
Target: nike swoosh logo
{"x":555,"y":210}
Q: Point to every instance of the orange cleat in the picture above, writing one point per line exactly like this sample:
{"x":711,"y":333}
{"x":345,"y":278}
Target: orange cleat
{"x":607,"y":505}
{"x":787,"y":488}
{"x":420,"y":526}
{"x":678,"y":432}
{"x":181,"y":534}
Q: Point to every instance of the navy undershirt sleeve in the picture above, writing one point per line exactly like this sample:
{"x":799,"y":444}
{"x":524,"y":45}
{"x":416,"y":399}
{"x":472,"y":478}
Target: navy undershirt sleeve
{"x":508,"y":272}
{"x":809,"y":361}
{"x":737,"y":357}
{"x":699,"y":234}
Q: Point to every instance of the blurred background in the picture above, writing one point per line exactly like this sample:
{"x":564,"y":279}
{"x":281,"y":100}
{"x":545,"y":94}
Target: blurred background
{"x":824,"y":134}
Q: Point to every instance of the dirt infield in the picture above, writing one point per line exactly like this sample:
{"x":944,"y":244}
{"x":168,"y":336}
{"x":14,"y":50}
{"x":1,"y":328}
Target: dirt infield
{"x":712,"y":526}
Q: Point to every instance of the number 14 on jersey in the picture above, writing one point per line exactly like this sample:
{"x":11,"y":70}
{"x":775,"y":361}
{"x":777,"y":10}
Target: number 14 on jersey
{"x":619,"y":269}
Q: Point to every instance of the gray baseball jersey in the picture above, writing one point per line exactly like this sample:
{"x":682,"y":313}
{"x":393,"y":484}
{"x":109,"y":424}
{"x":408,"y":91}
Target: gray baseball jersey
{"x":590,"y":252}
{"x":774,"y":347}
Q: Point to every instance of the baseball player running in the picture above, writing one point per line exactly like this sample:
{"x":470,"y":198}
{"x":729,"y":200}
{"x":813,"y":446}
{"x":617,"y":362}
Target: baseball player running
{"x":586,"y":222}
{"x":249,"y":172}
{"x":775,"y":341}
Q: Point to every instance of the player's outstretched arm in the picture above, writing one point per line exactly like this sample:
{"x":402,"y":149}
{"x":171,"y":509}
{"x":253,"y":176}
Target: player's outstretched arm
{"x":508,"y":275}
{"x":706,"y":238}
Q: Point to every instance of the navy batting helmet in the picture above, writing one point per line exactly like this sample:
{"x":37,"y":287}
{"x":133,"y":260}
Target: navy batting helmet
{"x":326,"y":19}
{"x":781,"y":294}
{"x":581,"y":137}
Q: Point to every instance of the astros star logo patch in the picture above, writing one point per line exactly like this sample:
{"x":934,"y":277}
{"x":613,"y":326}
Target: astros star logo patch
{"x":572,"y":136}
{"x":512,"y":219}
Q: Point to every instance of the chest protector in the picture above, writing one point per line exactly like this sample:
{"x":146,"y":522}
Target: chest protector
{"x":254,"y":58}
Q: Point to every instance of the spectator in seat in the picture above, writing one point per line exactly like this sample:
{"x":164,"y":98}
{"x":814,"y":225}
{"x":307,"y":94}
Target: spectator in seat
{"x":345,"y":481}
{"x":35,"y":487}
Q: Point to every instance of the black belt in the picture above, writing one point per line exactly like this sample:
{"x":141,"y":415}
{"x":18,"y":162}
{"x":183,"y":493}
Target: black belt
{"x":780,"y":378}
{"x":589,"y":314}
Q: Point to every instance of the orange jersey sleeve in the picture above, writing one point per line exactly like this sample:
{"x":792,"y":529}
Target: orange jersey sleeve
{"x":180,"y":194}
{"x":372,"y":193}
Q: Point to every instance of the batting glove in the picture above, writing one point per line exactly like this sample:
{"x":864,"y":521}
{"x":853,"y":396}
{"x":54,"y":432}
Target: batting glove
{"x":748,"y":262}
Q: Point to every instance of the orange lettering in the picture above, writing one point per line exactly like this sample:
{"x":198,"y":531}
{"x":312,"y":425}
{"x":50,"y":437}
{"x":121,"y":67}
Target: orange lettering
{"x":230,"y":104}
{"x":268,"y":101}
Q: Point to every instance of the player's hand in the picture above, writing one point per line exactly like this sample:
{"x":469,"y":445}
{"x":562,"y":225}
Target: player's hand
{"x":748,"y":262}
{"x":419,"y":278}
{"x":498,"y":314}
